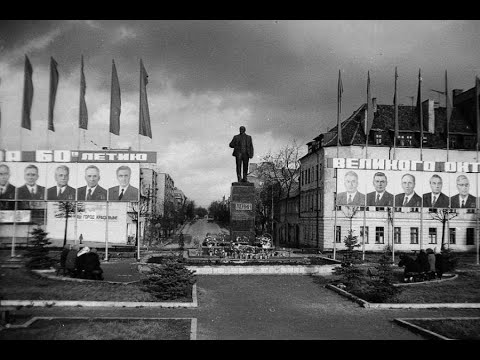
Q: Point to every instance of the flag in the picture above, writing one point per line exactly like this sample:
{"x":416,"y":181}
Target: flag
{"x":369,"y":121}
{"x":144,"y":127}
{"x":449,"y":111}
{"x":419,"y":106}
{"x":395,"y":109}
{"x":477,"y":107}
{"x":339,"y":108}
{"x":83,"y":113}
{"x":53,"y":92}
{"x":27,"y":95}
{"x":115,"y":103}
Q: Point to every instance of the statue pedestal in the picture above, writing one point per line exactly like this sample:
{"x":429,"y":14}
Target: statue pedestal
{"x":242,"y":211}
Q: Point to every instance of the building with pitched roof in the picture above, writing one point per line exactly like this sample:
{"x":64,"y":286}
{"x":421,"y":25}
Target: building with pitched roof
{"x":324,"y":220}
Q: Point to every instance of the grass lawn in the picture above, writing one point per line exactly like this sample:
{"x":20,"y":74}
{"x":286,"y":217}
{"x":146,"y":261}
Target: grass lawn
{"x":102,"y":329}
{"x":459,"y":329}
{"x":20,"y":284}
{"x":464,"y":289}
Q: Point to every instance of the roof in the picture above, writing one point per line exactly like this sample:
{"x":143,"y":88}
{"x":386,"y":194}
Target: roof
{"x":353,"y":127}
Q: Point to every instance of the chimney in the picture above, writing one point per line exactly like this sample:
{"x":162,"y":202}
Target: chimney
{"x":374,"y":105}
{"x":429,"y":106}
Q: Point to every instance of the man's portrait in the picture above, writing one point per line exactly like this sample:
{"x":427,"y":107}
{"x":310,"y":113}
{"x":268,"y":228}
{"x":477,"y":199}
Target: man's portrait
{"x":435,"y":198}
{"x":463,"y":199}
{"x":92,"y":191}
{"x":380,"y":197}
{"x":351,"y":196}
{"x":409,"y":198}
{"x":62,"y":191}
{"x":123,"y":191}
{"x":7,"y":190}
{"x":31,"y":190}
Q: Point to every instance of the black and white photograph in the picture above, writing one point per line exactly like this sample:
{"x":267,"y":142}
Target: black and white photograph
{"x":227,"y":179}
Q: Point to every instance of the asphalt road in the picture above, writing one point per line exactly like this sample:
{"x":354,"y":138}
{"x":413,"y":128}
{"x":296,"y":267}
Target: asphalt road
{"x":274,"y":307}
{"x":201,"y":227}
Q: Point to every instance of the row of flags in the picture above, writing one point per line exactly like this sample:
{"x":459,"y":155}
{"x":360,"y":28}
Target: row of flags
{"x":144,"y":127}
{"x":419,"y":110}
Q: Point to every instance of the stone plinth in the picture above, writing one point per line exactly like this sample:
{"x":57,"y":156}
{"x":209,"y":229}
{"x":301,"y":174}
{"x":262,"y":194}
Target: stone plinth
{"x":242,"y":210}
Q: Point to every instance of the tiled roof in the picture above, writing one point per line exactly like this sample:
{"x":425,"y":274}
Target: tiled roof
{"x":353,"y":127}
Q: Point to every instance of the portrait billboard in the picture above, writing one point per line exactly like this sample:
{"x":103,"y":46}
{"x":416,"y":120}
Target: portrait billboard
{"x":463,"y":190}
{"x":350,"y":188}
{"x":61,"y":182}
{"x":380,"y":187}
{"x":107,"y":181}
{"x":436,"y":190}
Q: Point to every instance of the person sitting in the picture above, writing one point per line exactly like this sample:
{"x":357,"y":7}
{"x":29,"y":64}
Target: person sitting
{"x":91,"y":264}
{"x":70,"y":261}
{"x":422,"y":259}
{"x":80,"y":261}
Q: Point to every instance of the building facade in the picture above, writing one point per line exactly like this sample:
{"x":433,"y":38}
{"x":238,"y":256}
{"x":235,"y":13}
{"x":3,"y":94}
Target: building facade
{"x":324,"y":220}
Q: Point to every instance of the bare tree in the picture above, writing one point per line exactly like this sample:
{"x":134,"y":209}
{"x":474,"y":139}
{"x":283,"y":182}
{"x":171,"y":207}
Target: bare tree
{"x":66,"y":209}
{"x":280,"y":172}
{"x":444,"y":216}
{"x":350,"y":212}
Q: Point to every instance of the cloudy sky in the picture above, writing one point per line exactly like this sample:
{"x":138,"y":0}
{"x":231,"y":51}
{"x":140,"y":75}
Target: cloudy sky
{"x":206,"y":78}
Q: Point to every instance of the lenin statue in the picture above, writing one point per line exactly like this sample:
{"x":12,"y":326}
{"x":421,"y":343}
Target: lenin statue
{"x":243,"y":151}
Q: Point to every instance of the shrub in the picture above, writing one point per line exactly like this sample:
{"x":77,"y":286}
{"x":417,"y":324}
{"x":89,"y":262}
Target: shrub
{"x":376,"y":291}
{"x":170,"y":281}
{"x":38,"y":253}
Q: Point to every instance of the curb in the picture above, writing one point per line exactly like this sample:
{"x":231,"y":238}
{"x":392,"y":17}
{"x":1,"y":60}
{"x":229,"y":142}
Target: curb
{"x":420,"y":330}
{"x":427,"y":282}
{"x":122,"y":304}
{"x":367,"y":304}
{"x":45,"y":274}
{"x":193,"y":321}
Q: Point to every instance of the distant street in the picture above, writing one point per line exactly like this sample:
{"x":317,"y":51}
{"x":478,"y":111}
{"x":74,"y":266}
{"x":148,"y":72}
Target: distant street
{"x":201,"y":227}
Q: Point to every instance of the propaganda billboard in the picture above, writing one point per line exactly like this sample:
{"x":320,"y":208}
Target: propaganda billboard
{"x":406,"y":183}
{"x":37,"y":182}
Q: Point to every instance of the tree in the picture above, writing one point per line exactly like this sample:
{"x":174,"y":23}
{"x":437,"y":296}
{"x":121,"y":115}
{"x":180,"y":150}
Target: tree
{"x":444,"y":216}
{"x":38,"y":253}
{"x":220,"y":212}
{"x":66,"y":209}
{"x":280,"y":171}
{"x":201,"y":211}
{"x":350,"y":212}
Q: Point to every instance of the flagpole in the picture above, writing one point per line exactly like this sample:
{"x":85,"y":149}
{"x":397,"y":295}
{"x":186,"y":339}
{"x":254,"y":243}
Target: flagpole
{"x":420,"y":111}
{"x":395,"y":135}
{"x":14,"y":230}
{"x":339,"y":135}
{"x":477,"y":116}
{"x":367,"y":132}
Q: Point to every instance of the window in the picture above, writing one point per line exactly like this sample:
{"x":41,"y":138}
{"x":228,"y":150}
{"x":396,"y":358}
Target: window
{"x":378,"y":139}
{"x":453,"y":141}
{"x":308,"y":176}
{"x":401,"y":140}
{"x":379,"y":235}
{"x":338,"y":238}
{"x":408,"y":140}
{"x":316,"y":172}
{"x":432,"y":235}
{"x":453,"y":236}
{"x":366,"y":234}
{"x":470,"y":236}
{"x":468,"y":142}
{"x":413,"y":235}
{"x":397,"y":235}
